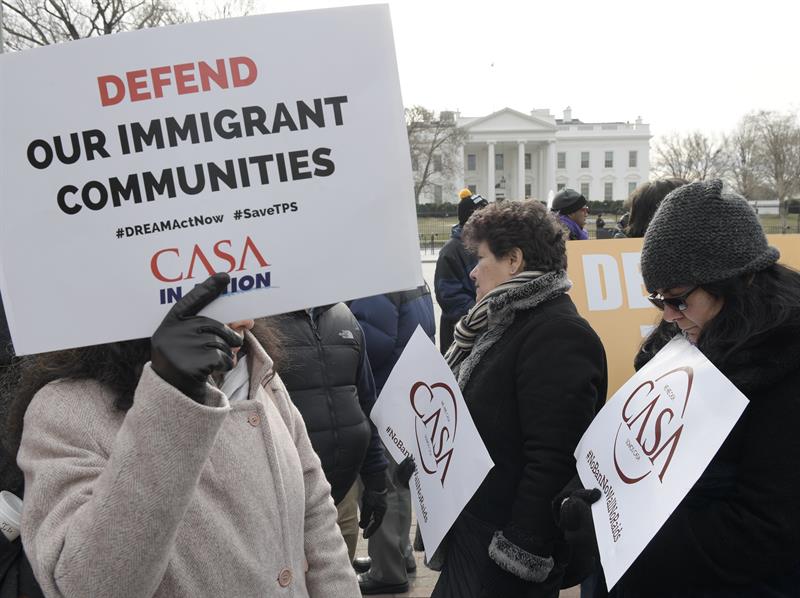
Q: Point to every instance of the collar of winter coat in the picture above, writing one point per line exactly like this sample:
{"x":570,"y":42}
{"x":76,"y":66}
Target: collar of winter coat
{"x":502,"y":310}
{"x":573,"y":227}
{"x":761,"y":362}
{"x":455,"y":231}
{"x":260,"y":363}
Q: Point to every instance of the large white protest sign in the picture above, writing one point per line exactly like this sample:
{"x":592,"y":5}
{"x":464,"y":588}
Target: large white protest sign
{"x":422,"y":413}
{"x":648,"y":446}
{"x":271,"y":147}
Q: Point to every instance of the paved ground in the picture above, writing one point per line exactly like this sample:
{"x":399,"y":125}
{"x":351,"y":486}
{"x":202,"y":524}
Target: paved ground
{"x":421,"y":583}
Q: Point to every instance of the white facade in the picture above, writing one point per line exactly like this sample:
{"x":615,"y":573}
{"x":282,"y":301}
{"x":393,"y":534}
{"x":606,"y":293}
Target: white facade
{"x":541,"y":154}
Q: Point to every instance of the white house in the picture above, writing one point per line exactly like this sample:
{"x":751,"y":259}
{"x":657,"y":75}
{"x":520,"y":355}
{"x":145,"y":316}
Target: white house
{"x":509,"y":154}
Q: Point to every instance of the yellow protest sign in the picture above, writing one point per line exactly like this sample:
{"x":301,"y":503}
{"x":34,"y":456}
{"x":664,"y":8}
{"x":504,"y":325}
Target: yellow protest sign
{"x":609,"y":292}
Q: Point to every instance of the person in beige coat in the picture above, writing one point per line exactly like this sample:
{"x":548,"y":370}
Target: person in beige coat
{"x":187,"y":488}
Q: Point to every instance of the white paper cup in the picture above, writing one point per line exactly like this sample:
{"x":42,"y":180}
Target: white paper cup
{"x":10,"y":515}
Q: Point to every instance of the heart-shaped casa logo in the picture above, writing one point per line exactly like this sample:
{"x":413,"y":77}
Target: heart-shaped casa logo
{"x":652,"y":424}
{"x":435,"y":426}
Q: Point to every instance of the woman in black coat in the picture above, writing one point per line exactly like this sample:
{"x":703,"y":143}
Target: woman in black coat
{"x":737,"y":532}
{"x":533,"y":374}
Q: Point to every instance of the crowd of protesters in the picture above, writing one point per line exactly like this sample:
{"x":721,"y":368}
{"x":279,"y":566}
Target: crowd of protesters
{"x":239,"y":459}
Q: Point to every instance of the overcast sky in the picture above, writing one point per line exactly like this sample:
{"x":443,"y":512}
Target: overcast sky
{"x":680,"y":65}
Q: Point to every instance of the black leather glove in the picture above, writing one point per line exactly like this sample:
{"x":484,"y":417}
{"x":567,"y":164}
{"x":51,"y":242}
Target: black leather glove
{"x":373,"y":503}
{"x":572,"y":510}
{"x":187,"y":348}
{"x":403,"y":472}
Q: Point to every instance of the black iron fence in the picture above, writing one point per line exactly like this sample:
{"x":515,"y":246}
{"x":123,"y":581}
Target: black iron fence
{"x":435,"y":231}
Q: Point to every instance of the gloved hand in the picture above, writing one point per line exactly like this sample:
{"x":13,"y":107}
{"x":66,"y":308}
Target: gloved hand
{"x":187,"y":348}
{"x":373,"y":503}
{"x":404,"y":470}
{"x":572,"y":510}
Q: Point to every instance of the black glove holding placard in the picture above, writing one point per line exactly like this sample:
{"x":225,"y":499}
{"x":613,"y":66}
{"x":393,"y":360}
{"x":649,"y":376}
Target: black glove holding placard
{"x":373,"y":503}
{"x":572,"y":510}
{"x":186,"y":348}
{"x":403,"y":472}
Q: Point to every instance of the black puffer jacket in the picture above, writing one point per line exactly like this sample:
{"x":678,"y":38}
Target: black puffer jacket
{"x":329,"y":379}
{"x":737,"y":532}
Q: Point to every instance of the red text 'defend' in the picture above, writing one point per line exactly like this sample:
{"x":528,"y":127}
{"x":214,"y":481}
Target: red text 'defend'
{"x":190,"y":77}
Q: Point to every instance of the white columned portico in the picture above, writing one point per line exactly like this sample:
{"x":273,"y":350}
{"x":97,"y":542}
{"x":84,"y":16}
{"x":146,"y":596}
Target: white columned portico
{"x":540,"y":175}
{"x":490,"y":171}
{"x":520,"y":170}
{"x":550,"y":166}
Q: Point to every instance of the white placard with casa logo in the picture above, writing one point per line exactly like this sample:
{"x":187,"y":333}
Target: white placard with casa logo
{"x":272,"y":147}
{"x":422,"y":413}
{"x":648,"y":446}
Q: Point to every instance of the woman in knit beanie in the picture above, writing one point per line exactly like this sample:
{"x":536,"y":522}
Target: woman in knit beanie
{"x":710,"y":269}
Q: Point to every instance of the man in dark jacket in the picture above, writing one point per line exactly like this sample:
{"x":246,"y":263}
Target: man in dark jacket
{"x":329,"y":379}
{"x":388,"y":322}
{"x":455,"y":291}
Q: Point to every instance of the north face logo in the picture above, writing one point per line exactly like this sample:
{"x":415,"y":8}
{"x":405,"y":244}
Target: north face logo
{"x":346,"y":334}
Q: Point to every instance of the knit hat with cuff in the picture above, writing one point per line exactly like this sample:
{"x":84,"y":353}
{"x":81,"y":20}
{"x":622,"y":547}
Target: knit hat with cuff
{"x":567,"y":201}
{"x":700,"y":235}
{"x":468,"y":205}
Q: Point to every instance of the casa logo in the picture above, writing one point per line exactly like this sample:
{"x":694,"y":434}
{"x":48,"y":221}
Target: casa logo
{"x":652,"y":425}
{"x":435,"y":426}
{"x":174,"y":265}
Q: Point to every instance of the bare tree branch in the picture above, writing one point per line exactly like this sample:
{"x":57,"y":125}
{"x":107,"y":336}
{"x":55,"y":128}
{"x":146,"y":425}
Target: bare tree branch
{"x":30,"y":23}
{"x":436,"y":146}
{"x":692,"y":157}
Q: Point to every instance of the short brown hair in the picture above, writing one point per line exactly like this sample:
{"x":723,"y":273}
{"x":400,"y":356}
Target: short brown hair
{"x":524,"y":224}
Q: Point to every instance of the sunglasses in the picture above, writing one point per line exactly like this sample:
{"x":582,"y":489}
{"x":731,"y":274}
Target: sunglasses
{"x":678,"y":302}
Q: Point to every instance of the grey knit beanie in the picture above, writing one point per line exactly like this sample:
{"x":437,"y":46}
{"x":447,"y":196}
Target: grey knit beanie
{"x":700,"y":235}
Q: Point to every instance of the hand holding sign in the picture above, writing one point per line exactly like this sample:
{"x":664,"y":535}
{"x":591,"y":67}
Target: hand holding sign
{"x":648,"y":446}
{"x":187,"y":348}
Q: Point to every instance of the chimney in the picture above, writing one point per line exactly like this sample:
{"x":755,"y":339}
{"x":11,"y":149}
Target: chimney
{"x":568,"y":114}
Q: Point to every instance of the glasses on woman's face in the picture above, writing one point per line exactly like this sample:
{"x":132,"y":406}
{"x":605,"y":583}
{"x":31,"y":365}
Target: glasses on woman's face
{"x":678,"y":302}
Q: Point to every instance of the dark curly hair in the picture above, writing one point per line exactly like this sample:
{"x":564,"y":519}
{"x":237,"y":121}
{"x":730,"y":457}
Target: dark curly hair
{"x":524,"y":224}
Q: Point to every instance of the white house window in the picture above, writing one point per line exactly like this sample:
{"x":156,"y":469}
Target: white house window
{"x":437,"y":163}
{"x":498,"y":161}
{"x":631,"y":188}
{"x":608,"y":191}
{"x":472,"y":162}
{"x":473,"y":188}
{"x":633,"y":158}
{"x":609,"y":162}
{"x":560,"y":186}
{"x":584,"y":159}
{"x":561,"y":160}
{"x":527,"y":161}
{"x":585,"y":190}
{"x":527,"y":190}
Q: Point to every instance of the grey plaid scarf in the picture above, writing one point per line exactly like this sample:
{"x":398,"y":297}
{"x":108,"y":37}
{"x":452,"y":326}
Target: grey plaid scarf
{"x":496,"y":312}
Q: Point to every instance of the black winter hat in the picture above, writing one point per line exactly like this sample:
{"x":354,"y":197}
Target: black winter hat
{"x":701,"y":235}
{"x":468,"y":205}
{"x":567,"y":201}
